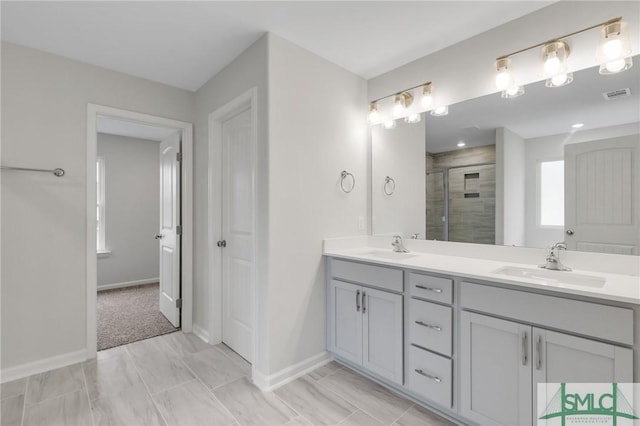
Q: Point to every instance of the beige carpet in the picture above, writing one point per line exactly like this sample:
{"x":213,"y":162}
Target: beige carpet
{"x":129,"y":314}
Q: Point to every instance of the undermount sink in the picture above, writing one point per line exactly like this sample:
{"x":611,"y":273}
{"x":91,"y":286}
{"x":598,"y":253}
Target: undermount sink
{"x":547,"y":276}
{"x":388,"y":254}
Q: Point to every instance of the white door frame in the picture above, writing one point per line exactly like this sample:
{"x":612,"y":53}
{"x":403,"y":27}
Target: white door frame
{"x":93,"y":112}
{"x":249,"y":99}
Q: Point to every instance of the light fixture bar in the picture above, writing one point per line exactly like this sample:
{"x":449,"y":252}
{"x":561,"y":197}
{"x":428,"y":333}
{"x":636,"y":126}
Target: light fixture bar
{"x":400,"y":92}
{"x":602,"y":24}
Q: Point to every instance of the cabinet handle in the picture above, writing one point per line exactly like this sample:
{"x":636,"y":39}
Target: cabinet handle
{"x":358,"y":301}
{"x":524,"y":348}
{"x":539,"y":352}
{"x":435,"y":327}
{"x":435,"y":290}
{"x":428,"y":376}
{"x":364,"y":299}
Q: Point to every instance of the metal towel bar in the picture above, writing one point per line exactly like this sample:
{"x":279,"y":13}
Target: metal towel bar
{"x":56,"y":172}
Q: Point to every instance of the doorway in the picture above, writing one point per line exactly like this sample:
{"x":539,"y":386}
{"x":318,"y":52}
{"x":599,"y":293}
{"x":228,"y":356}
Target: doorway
{"x":232,"y":224}
{"x":142,"y":272}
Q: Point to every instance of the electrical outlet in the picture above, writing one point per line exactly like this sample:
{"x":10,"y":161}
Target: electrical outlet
{"x":361,"y":223}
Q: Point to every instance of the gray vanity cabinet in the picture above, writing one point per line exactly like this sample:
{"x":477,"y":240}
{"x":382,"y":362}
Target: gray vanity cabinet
{"x":366,"y":328}
{"x":495,"y":370}
{"x":503,"y":361}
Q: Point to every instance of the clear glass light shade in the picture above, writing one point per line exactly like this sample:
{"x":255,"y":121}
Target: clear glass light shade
{"x":504,"y":77}
{"x":617,"y":65}
{"x":614,"y":49}
{"x":412,"y":118}
{"x":440,"y":111}
{"x":559,"y":80}
{"x":554,"y":56}
{"x":512,"y":92}
{"x":389,"y":124}
{"x":426,"y":100}
{"x":374,"y":114}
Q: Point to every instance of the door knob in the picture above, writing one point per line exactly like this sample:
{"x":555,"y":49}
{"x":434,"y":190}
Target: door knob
{"x":158,"y":236}
{"x":222,"y":243}
{"x":569,"y":231}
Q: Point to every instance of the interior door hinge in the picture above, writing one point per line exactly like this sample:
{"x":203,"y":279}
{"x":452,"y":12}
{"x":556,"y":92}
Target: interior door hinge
{"x":179,"y":230}
{"x":179,"y":303}
{"x":178,"y":156}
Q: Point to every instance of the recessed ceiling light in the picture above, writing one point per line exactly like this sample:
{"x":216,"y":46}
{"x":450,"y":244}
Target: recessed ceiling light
{"x":461,"y":144}
{"x":577,"y":125}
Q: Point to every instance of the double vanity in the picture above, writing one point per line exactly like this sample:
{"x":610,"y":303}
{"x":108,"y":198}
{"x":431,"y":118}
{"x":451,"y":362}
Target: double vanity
{"x":472,"y":337}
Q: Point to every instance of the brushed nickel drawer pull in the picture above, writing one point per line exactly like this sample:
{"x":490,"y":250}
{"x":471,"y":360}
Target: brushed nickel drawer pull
{"x":428,"y":376}
{"x":435,"y":290}
{"x":525,"y":347}
{"x":435,"y":327}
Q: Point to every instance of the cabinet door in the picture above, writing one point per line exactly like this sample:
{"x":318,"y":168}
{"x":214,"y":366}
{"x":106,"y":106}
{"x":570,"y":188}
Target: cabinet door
{"x":561,"y":358}
{"x":495,"y":370}
{"x":382,"y":330}
{"x":345,"y":320}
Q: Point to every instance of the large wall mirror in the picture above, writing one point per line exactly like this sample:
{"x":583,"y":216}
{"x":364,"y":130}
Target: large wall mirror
{"x":556,"y":164}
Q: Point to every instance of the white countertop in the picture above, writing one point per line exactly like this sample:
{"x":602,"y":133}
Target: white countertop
{"x":617,"y":287}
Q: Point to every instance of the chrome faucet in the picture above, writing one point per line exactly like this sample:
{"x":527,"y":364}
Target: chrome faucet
{"x":415,"y":236}
{"x":398,"y":245}
{"x":553,"y":258}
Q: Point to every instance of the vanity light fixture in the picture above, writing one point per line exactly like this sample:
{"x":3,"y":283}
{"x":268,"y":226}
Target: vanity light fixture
{"x":412,"y":118}
{"x":374,"y":115}
{"x":558,"y":80}
{"x":401,"y":101}
{"x":427,"y":96}
{"x":389,"y":124}
{"x":407,"y":104}
{"x":554,"y":59}
{"x":613,"y":54}
{"x":504,"y":76}
{"x":440,"y":111}
{"x":614,"y":50}
{"x":461,"y":144}
{"x":512,"y":92}
{"x":577,"y":125}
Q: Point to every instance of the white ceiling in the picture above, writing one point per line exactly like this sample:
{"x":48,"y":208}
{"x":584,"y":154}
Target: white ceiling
{"x":183,"y":44}
{"x":541,"y":111}
{"x":132,"y":129}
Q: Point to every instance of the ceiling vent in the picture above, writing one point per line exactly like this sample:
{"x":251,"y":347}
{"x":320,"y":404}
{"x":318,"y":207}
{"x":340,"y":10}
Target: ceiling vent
{"x":615,"y":94}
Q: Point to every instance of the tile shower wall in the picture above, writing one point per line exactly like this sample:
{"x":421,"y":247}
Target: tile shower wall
{"x":472,"y":204}
{"x":471,"y":195}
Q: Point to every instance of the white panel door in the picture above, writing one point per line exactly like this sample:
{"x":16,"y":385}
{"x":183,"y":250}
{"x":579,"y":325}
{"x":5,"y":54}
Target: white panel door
{"x":561,"y":358}
{"x":382,"y":334}
{"x":238,"y":233}
{"x":169,"y":222}
{"x":495,"y":370}
{"x":345,"y":321}
{"x":602,"y":200}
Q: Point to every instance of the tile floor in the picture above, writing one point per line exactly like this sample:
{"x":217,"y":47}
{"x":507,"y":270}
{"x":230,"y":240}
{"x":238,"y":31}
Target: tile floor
{"x":177,"y":379}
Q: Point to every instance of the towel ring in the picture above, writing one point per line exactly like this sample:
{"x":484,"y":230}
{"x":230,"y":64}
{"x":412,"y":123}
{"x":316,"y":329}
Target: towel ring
{"x":389,"y":182}
{"x":343,"y":175}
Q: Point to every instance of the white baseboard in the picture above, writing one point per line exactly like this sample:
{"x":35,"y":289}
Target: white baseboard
{"x":127,"y":284}
{"x":201,"y":332}
{"x":286,"y":375}
{"x":40,"y":366}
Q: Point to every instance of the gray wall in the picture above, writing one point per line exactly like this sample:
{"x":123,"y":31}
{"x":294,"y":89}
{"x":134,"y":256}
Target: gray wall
{"x":44,"y":116}
{"x":132,"y":194}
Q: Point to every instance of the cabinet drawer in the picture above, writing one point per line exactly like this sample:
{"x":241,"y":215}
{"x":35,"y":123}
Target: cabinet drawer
{"x":430,"y":376}
{"x":589,"y":319}
{"x":430,"y":326}
{"x":371,"y":275}
{"x":431,"y":288}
